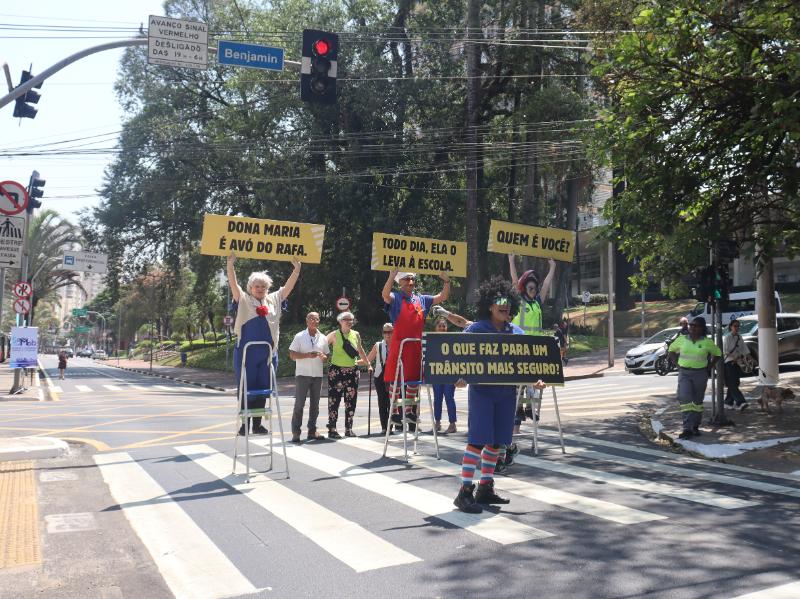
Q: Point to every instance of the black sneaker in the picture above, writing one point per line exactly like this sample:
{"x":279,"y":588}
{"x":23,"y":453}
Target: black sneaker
{"x":334,"y":435}
{"x":728,"y":404}
{"x":501,"y":467}
{"x":465,"y":502}
{"x":241,"y":431}
{"x":697,"y":432}
{"x":742,"y":407}
{"x":486,"y":494}
{"x":511,"y":453}
{"x":260,"y":430}
{"x":686,"y":435}
{"x":397,"y":418}
{"x":297,"y":440}
{"x":411,"y":416}
{"x":350,"y":434}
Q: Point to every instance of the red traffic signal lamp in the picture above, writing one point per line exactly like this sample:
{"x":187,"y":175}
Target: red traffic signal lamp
{"x":319,"y":66}
{"x":22,"y":106}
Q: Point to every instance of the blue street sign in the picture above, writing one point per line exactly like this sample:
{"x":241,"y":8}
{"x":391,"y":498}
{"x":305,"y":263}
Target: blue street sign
{"x":250,"y":55}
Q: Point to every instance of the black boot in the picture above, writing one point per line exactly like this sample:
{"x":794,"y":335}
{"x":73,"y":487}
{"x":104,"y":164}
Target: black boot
{"x":486,"y":494}
{"x":465,"y":501}
{"x":257,"y":428}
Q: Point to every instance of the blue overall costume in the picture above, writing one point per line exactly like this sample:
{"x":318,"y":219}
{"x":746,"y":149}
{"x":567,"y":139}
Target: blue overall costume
{"x":256,"y":370}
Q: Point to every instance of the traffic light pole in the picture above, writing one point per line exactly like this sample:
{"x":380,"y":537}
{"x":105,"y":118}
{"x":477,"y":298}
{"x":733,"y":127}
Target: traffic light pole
{"x":719,"y":417}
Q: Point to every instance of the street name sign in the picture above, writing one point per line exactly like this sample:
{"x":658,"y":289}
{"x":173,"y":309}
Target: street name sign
{"x":250,"y":55}
{"x":82,"y":329}
{"x":177,"y":42}
{"x":11,"y":240}
{"x":80,"y":312}
{"x":23,"y":289}
{"x":13,"y":197}
{"x":85,"y":262}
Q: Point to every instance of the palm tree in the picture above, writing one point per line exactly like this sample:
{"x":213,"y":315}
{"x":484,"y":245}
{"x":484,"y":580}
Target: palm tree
{"x":50,"y":235}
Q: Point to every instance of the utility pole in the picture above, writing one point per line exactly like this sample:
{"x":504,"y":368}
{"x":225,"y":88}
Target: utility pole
{"x":472,"y":53}
{"x":610,"y":304}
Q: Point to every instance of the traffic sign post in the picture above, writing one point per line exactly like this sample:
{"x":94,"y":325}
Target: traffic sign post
{"x":22,"y":305}
{"x":12,"y":240}
{"x":228,"y":321}
{"x":177,"y":42}
{"x":342,"y":304}
{"x":586,"y":297}
{"x":250,"y":55}
{"x":13,"y":198}
{"x":23,"y":289}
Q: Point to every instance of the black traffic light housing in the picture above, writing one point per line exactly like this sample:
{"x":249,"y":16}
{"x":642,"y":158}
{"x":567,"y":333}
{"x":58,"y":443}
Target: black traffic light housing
{"x":35,"y":191}
{"x":22,"y":106}
{"x":318,"y":68}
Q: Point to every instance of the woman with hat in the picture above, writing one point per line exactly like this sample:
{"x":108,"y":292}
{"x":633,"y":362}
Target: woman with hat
{"x":696,"y":355}
{"x":407,"y":311}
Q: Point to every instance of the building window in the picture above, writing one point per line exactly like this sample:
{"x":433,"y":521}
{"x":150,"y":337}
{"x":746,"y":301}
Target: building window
{"x":590,"y":266}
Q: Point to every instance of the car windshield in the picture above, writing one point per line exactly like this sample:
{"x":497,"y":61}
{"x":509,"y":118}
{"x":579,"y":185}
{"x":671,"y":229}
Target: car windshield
{"x":746,"y":327}
{"x":662,"y":336}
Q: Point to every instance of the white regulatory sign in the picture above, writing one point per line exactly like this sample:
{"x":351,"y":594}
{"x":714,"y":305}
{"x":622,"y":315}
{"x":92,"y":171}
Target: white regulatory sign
{"x":11,"y":240}
{"x":177,"y":42}
{"x":342,"y":304}
{"x":587,"y":297}
{"x":85,"y":262}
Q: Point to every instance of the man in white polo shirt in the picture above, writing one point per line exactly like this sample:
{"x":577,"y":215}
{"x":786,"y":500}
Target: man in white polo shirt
{"x":309,"y":349}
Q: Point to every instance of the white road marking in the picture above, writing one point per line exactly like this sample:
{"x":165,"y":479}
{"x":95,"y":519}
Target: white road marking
{"x":687,"y":494}
{"x":587,"y":505}
{"x":790,"y":590}
{"x":83,"y":388}
{"x":488,"y":525}
{"x":75,"y":522}
{"x":191,"y":564}
{"x":112,"y":387}
{"x":343,"y":539}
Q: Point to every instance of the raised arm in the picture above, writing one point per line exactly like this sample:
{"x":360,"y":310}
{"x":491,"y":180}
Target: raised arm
{"x":548,"y":280}
{"x":288,"y":286}
{"x":232,"y":277}
{"x":454,"y":319}
{"x":386,"y":292}
{"x":512,"y":269}
{"x":445,"y":292}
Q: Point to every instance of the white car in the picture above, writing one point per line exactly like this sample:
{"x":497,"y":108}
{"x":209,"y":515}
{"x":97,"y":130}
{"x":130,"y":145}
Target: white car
{"x":643,"y":357}
{"x":99,"y":354}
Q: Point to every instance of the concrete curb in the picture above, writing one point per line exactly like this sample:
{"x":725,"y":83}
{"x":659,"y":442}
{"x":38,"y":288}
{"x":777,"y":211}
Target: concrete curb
{"x":32,"y":448}
{"x":171,"y":378}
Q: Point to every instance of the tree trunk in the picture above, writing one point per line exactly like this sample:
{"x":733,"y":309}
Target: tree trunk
{"x":471,"y":138}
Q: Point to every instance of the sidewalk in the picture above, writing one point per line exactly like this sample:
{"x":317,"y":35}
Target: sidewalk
{"x":758,"y":440}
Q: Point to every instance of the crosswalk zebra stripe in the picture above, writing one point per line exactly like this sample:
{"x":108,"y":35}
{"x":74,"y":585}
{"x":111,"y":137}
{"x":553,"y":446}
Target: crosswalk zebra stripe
{"x":191,"y":564}
{"x":790,"y":590}
{"x":587,"y":505}
{"x":693,"y":495}
{"x":83,"y":388}
{"x":490,"y":526}
{"x":112,"y":387}
{"x":56,"y":389}
{"x":165,"y":388}
{"x":677,"y":470}
{"x":343,"y":539}
{"x":682,"y":459}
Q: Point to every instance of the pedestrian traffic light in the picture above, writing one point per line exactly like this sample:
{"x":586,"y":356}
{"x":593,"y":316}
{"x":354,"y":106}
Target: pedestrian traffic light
{"x":35,"y":191}
{"x":22,"y":108}
{"x":318,"y":69}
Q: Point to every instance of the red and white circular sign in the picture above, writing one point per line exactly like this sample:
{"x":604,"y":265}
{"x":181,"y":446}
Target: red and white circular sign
{"x":22,"y":305}
{"x":342,"y":304}
{"x":13,"y":198}
{"x":23,"y":289}
{"x":228,"y":321}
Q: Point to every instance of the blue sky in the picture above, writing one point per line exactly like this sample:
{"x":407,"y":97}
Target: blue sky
{"x":77,"y":102}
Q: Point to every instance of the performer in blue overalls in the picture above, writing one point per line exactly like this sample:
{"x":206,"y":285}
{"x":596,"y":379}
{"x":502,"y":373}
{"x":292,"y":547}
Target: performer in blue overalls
{"x":257,"y":319}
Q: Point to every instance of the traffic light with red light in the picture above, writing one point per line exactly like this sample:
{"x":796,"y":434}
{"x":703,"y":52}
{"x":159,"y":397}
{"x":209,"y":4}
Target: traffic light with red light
{"x":318,"y":69}
{"x":35,"y":192}
{"x":22,"y":106}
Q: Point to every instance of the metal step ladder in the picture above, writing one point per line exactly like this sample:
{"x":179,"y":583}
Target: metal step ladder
{"x":244,"y":413}
{"x":535,"y":397}
{"x":402,"y":402}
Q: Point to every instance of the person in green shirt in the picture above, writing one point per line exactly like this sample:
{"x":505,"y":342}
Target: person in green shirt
{"x":696,"y":355}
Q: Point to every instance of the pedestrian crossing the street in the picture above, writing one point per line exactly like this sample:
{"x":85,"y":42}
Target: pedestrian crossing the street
{"x":347,"y":504}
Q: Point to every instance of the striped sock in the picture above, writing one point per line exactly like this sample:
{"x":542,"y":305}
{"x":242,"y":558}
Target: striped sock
{"x":411,"y":397}
{"x":501,"y":456}
{"x":488,"y":462}
{"x":472,"y":456}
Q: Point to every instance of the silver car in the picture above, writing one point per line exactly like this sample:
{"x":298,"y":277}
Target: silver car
{"x":788,"y":325}
{"x":643,"y":357}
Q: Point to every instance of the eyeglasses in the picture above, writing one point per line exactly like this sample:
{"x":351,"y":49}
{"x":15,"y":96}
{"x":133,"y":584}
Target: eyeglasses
{"x":347,"y":320}
{"x":388,"y":332}
{"x":500,"y":301}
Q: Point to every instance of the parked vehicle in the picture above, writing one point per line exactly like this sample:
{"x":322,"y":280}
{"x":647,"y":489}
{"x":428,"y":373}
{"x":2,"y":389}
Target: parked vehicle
{"x":739,"y":304}
{"x":788,"y":325}
{"x":99,"y":354}
{"x":68,"y":351}
{"x":643,"y":357}
{"x":85,"y":353}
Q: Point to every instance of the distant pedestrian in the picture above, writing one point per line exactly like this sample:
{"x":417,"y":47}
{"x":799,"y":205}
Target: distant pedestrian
{"x":379,"y":353}
{"x":258,"y":315}
{"x":343,"y":374}
{"x":696,"y":354}
{"x":734,"y":350}
{"x":62,"y":364}
{"x":444,"y":391}
{"x":309,"y":349}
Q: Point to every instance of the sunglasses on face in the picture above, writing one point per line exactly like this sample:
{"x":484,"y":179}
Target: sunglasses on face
{"x":500,"y":301}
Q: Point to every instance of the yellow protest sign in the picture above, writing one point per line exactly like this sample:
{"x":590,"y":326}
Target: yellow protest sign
{"x":419,"y":255}
{"x":261,"y":239}
{"x":524,"y":240}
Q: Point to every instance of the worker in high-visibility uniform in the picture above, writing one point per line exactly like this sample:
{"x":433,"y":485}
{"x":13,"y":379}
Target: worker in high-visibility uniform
{"x":696,"y":355}
{"x":529,"y":319}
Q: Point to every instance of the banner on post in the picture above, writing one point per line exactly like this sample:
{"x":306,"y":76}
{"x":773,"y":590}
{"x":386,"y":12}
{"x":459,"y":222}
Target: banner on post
{"x":489,"y":359}
{"x":418,"y":254}
{"x":524,"y":240}
{"x":24,"y":347}
{"x":261,"y":239}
